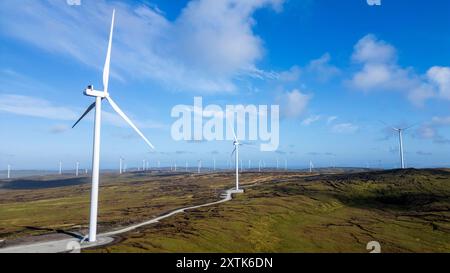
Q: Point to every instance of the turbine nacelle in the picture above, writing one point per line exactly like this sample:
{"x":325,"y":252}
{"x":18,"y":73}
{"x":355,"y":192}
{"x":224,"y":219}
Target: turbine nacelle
{"x":89,"y":91}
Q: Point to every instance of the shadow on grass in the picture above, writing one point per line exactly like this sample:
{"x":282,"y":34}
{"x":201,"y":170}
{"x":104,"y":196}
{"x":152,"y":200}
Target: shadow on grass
{"x":32,"y":184}
{"x":60,"y":231}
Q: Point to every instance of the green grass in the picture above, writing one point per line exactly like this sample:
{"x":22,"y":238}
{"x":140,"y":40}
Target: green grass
{"x":406,"y":211}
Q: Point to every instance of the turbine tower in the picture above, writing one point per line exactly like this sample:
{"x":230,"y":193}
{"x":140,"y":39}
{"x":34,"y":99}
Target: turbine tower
{"x":400,"y":141}
{"x":78,"y":166}
{"x":236,"y":144}
{"x":120,"y":165}
{"x":60,"y":167}
{"x":199,"y":166}
{"x":9,"y":171}
{"x":99,"y":96}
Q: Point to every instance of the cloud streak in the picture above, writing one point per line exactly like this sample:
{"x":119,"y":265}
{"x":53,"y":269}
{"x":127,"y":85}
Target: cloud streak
{"x":201,"y":50}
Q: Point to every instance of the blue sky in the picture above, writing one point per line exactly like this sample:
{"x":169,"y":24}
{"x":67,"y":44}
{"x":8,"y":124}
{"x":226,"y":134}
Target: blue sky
{"x":335,"y":67}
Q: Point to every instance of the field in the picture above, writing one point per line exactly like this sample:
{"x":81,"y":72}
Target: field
{"x":404,"y":210}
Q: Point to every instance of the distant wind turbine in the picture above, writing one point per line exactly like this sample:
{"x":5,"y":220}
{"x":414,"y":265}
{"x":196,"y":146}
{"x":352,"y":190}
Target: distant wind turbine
{"x":99,"y":96}
{"x":76,"y":171}
{"x":311,"y":166}
{"x":236,"y":145}
{"x":9,"y":171}
{"x":60,"y":167}
{"x":120,"y":165}
{"x":400,"y":140}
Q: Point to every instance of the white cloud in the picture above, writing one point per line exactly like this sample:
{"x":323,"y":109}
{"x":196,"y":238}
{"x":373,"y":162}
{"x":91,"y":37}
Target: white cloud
{"x":441,"y":77}
{"x":381,"y":72}
{"x":202,"y":50}
{"x":331,"y":119}
{"x":291,"y":75}
{"x":294,"y":103}
{"x":430,"y":130}
{"x":34,"y":107}
{"x":371,"y":50}
{"x":310,"y":120}
{"x":345,"y":128}
{"x":322,"y":69}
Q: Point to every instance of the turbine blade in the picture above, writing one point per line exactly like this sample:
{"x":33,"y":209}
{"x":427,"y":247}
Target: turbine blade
{"x":122,"y":114}
{"x":85,"y":113}
{"x":234,"y":134}
{"x":393,"y":128}
{"x":232,"y":153}
{"x":409,"y":127}
{"x":108,"y":57}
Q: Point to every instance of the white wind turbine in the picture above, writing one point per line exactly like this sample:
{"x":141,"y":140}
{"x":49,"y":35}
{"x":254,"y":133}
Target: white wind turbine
{"x":99,"y":96}
{"x":199,"y":166}
{"x":60,"y":167}
{"x":311,"y":166}
{"x":9,"y":171}
{"x":236,"y":145}
{"x":120,"y":165}
{"x":77,"y":167}
{"x":400,"y":141}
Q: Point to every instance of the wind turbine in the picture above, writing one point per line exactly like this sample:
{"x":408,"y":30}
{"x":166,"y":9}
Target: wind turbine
{"x":76,"y":171}
{"x":60,"y":167}
{"x":259,"y":166}
{"x":9,"y":171}
{"x":199,"y":166}
{"x":236,"y":144}
{"x":311,"y":166}
{"x":400,"y":140}
{"x":99,"y":96}
{"x":120,"y":165}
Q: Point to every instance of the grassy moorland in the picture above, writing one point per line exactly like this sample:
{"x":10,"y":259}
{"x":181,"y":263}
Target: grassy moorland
{"x":43,"y":205}
{"x":404,"y":210}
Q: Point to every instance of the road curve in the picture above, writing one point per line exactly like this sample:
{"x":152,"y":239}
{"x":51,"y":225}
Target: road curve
{"x":73,"y":244}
